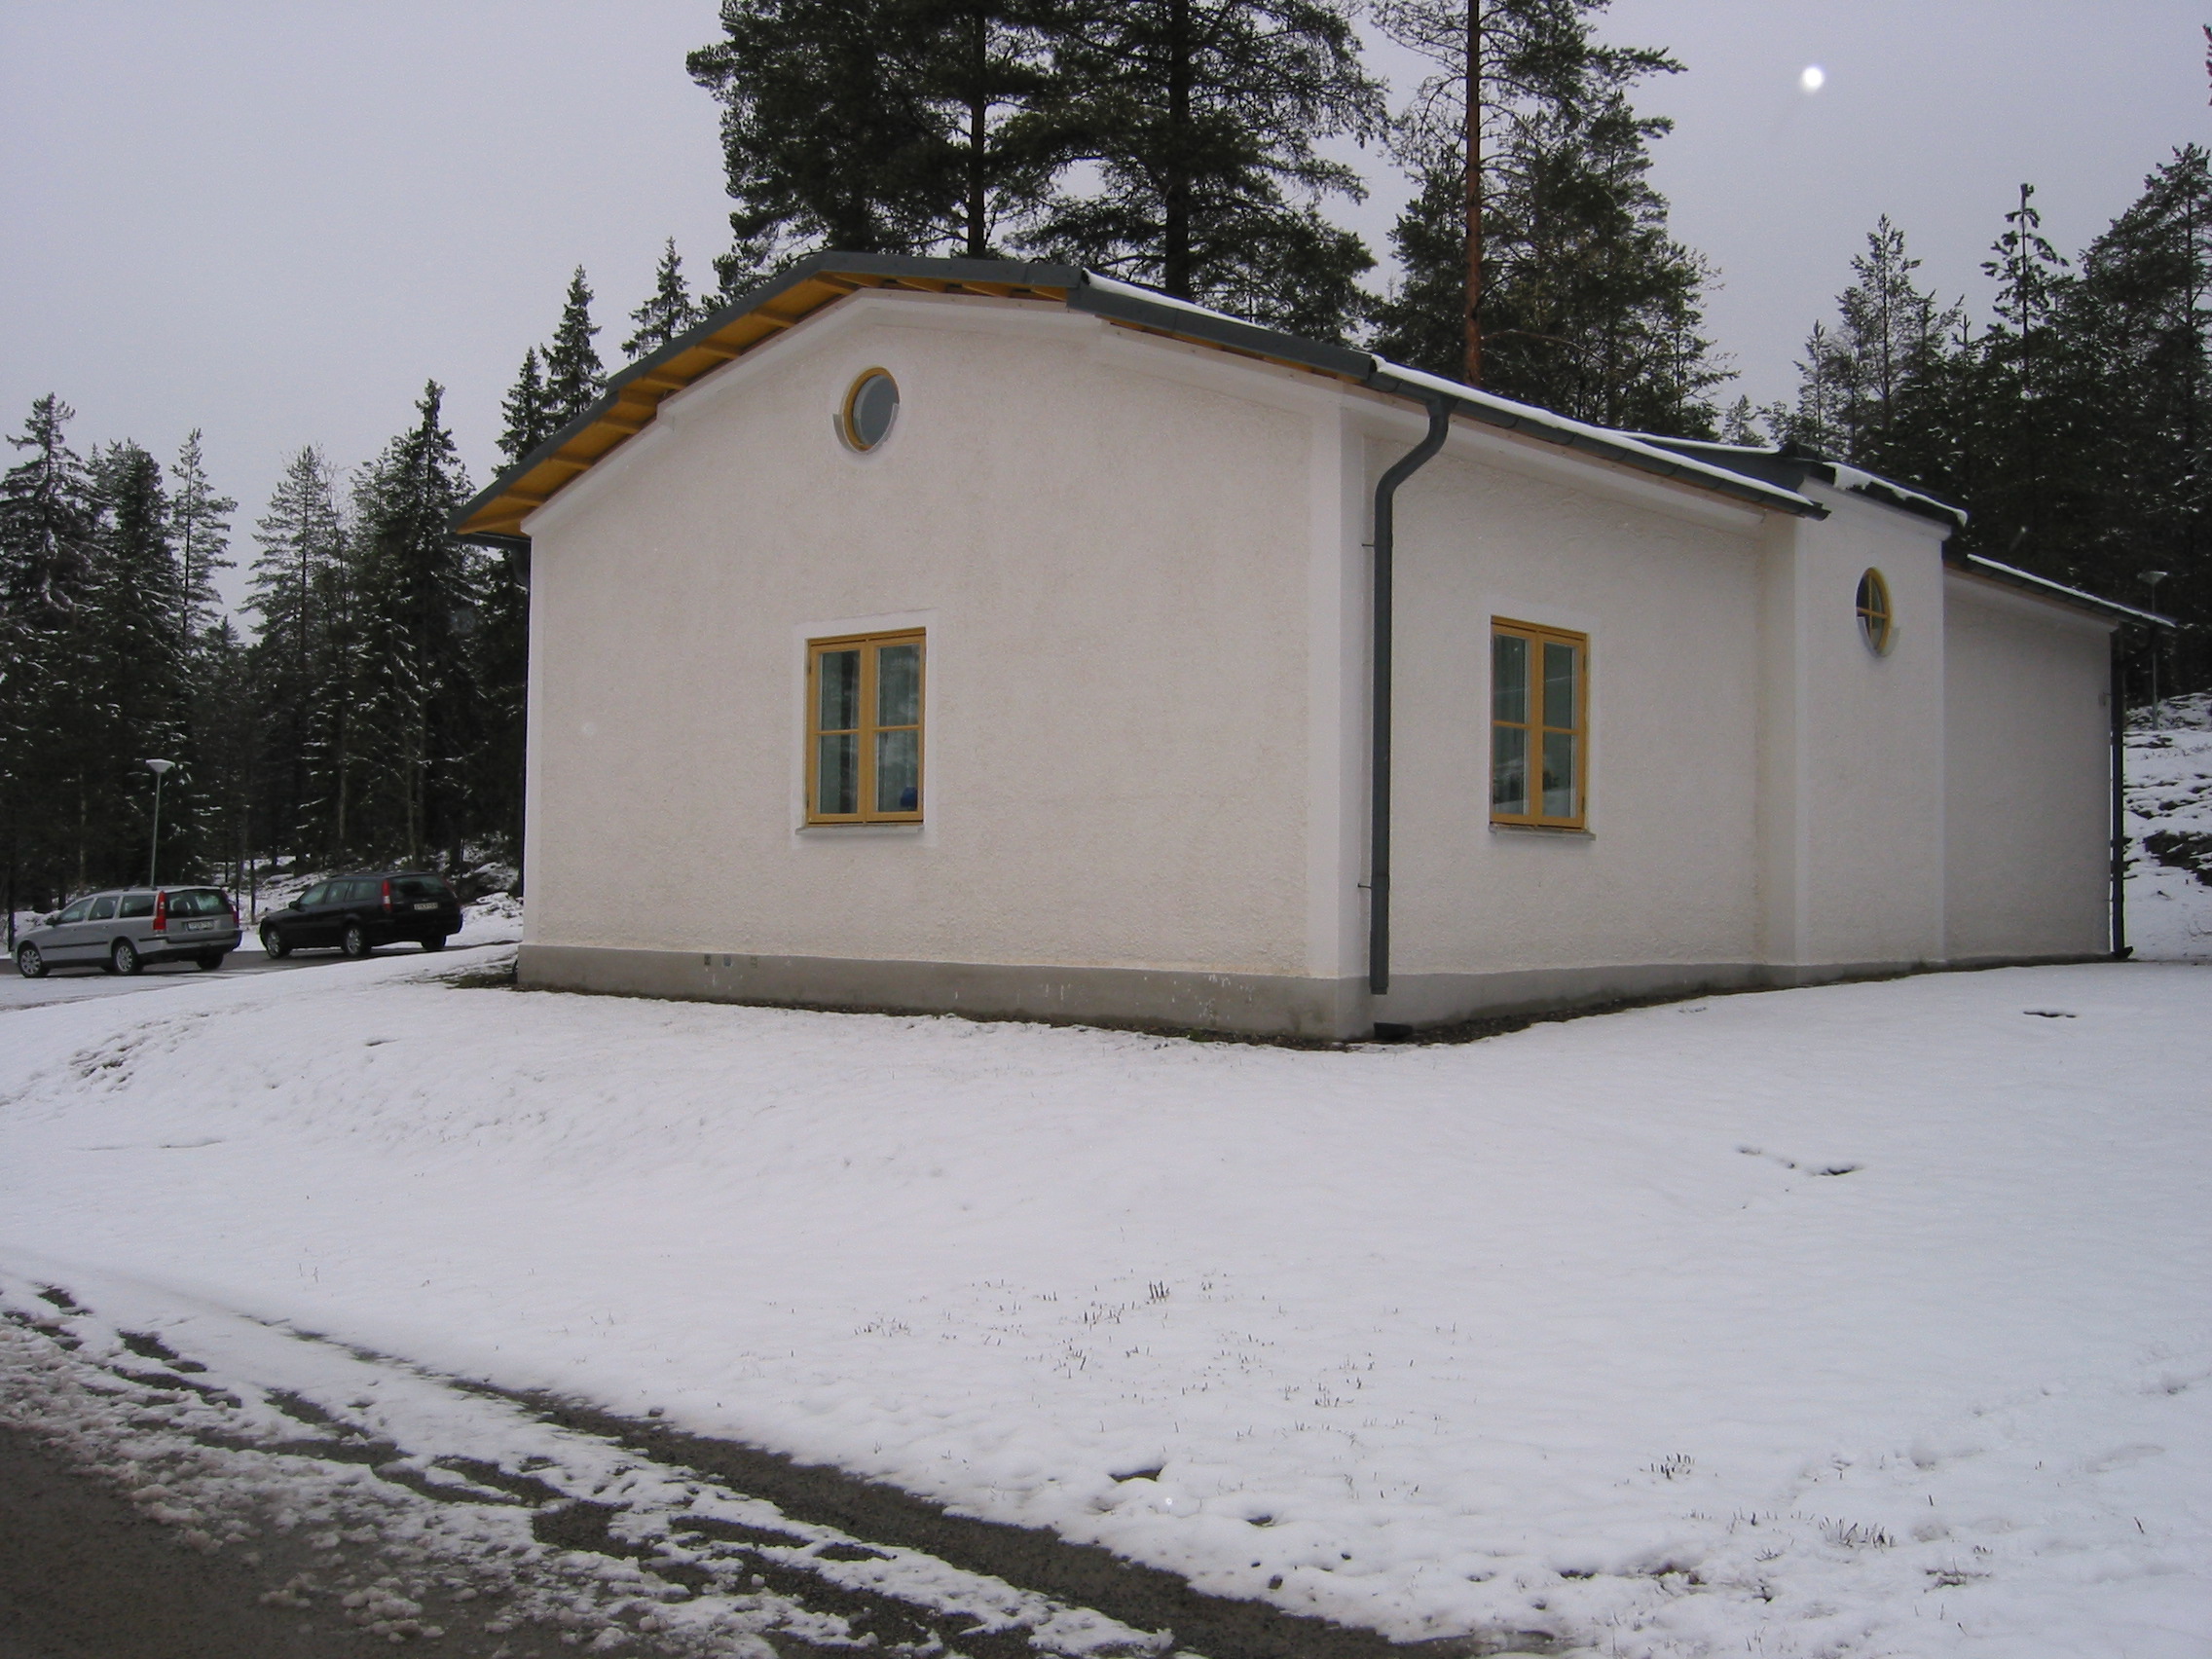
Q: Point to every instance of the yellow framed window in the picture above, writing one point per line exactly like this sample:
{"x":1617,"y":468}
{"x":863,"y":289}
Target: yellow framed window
{"x":1539,"y":724}
{"x":864,"y":729}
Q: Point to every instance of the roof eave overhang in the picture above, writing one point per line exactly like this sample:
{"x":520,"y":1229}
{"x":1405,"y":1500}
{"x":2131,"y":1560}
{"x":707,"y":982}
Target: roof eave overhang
{"x":496,"y":514}
{"x":1974,"y":565}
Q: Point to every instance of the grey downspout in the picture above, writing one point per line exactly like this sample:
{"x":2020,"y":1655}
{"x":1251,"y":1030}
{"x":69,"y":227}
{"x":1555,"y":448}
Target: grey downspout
{"x":2119,"y":950}
{"x":1379,"y":810}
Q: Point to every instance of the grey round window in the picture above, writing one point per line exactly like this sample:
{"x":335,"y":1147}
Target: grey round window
{"x":869,"y":409}
{"x":1876,"y":623}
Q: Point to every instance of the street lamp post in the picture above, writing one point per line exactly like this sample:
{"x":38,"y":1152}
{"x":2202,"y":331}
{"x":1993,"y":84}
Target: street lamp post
{"x":2152,"y":580}
{"x":154,"y":855}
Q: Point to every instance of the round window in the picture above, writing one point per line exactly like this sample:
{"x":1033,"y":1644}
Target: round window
{"x":1875,"y":623}
{"x":869,"y":409}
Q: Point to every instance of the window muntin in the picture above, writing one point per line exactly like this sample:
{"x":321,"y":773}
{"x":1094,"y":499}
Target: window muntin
{"x":863,"y":738}
{"x":1539,"y":679}
{"x":1877,"y":623}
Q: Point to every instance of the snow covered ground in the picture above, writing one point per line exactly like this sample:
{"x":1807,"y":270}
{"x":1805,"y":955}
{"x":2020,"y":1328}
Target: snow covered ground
{"x":1863,"y":1321}
{"x":2169,"y":812}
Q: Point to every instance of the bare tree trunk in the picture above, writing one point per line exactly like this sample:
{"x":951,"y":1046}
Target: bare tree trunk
{"x":1176,"y":271}
{"x":1473,"y":373}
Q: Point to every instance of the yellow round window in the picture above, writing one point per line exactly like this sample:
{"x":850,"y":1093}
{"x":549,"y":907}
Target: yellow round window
{"x":1876,"y":624}
{"x":871,"y":406}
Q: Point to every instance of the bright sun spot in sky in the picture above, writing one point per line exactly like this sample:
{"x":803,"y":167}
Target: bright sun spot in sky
{"x":1813,"y":78}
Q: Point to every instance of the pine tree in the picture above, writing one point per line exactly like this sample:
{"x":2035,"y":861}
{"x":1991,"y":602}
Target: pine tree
{"x":201,"y":523}
{"x":574,"y":375}
{"x":1535,"y":254}
{"x":2020,"y":448}
{"x":1202,"y":119}
{"x":988,"y":72}
{"x":668,"y":313}
{"x":419,"y":596}
{"x":499,"y":651}
{"x":528,"y":412}
{"x":829,"y":139}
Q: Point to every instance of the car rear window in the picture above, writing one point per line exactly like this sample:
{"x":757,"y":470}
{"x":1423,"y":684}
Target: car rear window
{"x":198,"y":901}
{"x":419,"y":887}
{"x":135,"y":904}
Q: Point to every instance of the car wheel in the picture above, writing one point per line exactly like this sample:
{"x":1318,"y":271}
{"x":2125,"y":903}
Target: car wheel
{"x":273,"y":943}
{"x":126,"y":958}
{"x":353,"y":941}
{"x":30,"y":963}
{"x":436,"y":942}
{"x":209,"y":960}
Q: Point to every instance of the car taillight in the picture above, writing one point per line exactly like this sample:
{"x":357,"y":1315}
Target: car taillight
{"x":388,"y":898}
{"x":161,"y":913}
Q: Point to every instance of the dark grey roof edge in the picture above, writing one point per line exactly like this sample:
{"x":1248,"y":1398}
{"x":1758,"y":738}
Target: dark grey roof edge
{"x":2058,"y":593}
{"x":803,"y":269}
{"x":1795,"y":462}
{"x":1124,"y":302}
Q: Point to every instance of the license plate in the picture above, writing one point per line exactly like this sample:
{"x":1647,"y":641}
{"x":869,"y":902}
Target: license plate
{"x":433,"y":904}
{"x":198,"y":927}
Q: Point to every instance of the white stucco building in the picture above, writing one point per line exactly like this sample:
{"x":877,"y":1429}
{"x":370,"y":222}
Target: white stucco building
{"x":991,"y":637}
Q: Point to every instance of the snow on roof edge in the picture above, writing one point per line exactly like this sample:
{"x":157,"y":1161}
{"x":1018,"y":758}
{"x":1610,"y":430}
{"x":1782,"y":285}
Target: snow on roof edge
{"x":1975,"y":560}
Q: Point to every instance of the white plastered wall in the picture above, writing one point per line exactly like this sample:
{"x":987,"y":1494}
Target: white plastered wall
{"x":1665,"y":583}
{"x":1851,"y":743}
{"x":1114,"y":543}
{"x":2028,"y":776}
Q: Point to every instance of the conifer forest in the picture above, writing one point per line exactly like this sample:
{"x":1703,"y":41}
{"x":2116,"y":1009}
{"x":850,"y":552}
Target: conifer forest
{"x":367,"y":702}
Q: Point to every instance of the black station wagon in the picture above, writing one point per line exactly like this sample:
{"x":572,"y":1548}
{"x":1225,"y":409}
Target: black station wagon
{"x":356,"y":913}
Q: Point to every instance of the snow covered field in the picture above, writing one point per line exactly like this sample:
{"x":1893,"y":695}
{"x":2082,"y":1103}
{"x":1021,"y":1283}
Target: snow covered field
{"x":1862,"y":1320}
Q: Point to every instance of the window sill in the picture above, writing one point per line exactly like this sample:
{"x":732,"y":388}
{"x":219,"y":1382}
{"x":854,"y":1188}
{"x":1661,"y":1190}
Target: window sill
{"x":859,"y":830}
{"x":1542,"y":830}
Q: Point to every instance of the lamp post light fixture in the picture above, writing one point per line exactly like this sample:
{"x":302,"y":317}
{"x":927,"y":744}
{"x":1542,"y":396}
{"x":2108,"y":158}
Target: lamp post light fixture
{"x":154,"y":855}
{"x":2152,"y":580}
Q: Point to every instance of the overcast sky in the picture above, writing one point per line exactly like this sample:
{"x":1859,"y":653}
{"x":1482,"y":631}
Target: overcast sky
{"x":275,"y":221}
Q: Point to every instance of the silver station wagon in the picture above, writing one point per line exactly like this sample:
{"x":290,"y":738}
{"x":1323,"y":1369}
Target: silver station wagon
{"x":120,"y":930}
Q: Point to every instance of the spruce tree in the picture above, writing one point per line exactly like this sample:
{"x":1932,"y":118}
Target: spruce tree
{"x":133,"y":665}
{"x":528,"y":411}
{"x":2140,"y":315}
{"x":297,"y":583}
{"x":419,"y":600}
{"x":47,"y":525}
{"x":668,"y":313}
{"x":574,"y":375}
{"x":988,"y":74}
{"x":1536,"y":255}
{"x":1202,"y":120}
{"x":200,"y":522}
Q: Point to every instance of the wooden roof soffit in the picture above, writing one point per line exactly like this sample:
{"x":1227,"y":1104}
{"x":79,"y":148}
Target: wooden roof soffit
{"x":634,"y":398}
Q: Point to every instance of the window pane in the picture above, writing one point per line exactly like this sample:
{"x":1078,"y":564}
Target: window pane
{"x":76,"y":911}
{"x":1509,"y":770}
{"x":1509,"y":677}
{"x":839,"y":706}
{"x":102,"y":909}
{"x":897,"y":772}
{"x":837,"y":775}
{"x":139,"y":904}
{"x":898,"y":685}
{"x":1559,"y":774}
{"x":1558,"y":684}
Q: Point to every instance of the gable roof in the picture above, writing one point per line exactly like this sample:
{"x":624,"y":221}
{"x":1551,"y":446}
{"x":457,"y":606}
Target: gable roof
{"x":632,"y":398}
